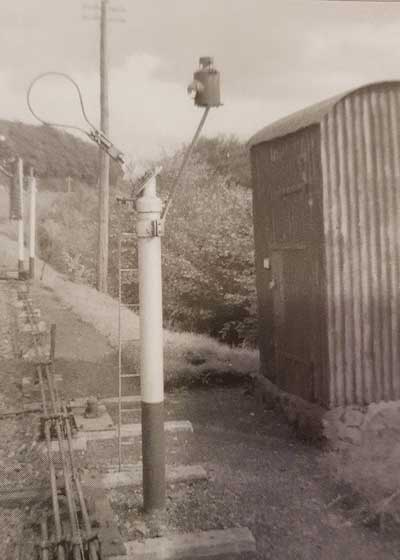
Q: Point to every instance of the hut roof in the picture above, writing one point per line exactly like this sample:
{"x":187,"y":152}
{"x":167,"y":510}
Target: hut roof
{"x":306,"y":117}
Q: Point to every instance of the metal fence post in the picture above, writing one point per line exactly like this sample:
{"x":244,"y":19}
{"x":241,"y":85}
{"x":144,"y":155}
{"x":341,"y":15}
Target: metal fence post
{"x":151,"y":348}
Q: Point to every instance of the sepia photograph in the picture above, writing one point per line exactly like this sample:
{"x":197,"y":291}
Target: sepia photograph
{"x":200,"y":280}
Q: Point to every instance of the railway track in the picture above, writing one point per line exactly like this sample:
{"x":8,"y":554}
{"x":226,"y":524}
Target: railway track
{"x":60,"y":540}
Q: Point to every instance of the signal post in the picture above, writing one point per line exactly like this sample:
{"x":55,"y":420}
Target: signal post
{"x":32,"y":223}
{"x":149,"y":231}
{"x":18,"y":188}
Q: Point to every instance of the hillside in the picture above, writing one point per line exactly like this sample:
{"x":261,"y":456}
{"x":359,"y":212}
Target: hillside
{"x":53,"y":153}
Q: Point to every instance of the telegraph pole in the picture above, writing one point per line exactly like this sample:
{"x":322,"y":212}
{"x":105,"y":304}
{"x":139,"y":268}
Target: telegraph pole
{"x":104,"y":163}
{"x":104,"y":159}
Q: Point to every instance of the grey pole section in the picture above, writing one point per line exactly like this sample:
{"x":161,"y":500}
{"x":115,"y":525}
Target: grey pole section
{"x":19,"y":177}
{"x":151,"y":347}
{"x":104,"y":171}
{"x":32,"y":224}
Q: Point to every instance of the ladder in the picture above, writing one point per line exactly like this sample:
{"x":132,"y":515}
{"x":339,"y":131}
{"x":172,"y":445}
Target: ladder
{"x":127,"y":274}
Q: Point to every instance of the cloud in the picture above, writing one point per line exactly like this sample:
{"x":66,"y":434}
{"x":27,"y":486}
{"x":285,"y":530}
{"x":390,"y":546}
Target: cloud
{"x":274,"y":58}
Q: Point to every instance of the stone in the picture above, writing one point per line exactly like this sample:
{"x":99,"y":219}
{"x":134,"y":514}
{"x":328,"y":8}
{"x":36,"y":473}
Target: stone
{"x":353,"y":417}
{"x":353,"y":436}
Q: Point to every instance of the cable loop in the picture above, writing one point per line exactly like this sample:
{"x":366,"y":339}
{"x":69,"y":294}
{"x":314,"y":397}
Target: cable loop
{"x":78,"y":90}
{"x":94,"y":133}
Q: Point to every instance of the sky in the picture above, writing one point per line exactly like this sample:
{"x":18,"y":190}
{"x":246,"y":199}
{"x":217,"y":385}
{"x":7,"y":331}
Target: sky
{"x":274,"y":58}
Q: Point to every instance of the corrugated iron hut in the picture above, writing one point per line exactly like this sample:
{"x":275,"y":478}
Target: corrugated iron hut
{"x":327,"y":232}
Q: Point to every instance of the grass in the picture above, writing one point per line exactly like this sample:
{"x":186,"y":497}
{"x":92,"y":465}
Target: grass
{"x":193,"y":360}
{"x":189,"y":359}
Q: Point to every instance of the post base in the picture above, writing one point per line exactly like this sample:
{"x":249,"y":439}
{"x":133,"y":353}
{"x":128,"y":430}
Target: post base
{"x":153,"y":451}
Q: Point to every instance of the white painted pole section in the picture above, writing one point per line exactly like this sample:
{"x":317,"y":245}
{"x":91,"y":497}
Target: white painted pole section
{"x":32,"y":225}
{"x":20,"y":174}
{"x":150,"y":297}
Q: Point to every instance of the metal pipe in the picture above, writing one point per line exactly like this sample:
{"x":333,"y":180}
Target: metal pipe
{"x":54,"y":497}
{"x":76,"y":537}
{"x":151,"y":349}
{"x":53,"y":329}
{"x":53,"y":480}
{"x":119,"y":355}
{"x":58,"y":409}
{"x":93,"y":548}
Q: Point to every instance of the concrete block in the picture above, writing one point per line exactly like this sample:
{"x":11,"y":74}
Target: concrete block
{"x":103,"y":422}
{"x":133,"y":477}
{"x":80,"y":402}
{"x":106,"y":524}
{"x":127,"y":399}
{"x":229,"y":543}
{"x":135,"y":430}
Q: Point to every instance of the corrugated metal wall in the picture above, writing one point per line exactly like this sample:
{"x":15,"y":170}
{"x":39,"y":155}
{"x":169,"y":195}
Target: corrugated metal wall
{"x":361,"y":169}
{"x":289,"y":233}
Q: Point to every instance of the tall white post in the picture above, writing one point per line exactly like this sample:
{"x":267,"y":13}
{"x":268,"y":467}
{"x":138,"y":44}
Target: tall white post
{"x":20,"y":189}
{"x":151,"y":347}
{"x":32,"y":223}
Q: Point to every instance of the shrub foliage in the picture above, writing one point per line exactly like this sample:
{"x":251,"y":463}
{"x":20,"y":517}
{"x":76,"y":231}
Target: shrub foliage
{"x":208,"y":257}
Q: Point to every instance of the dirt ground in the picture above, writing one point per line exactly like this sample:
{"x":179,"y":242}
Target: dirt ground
{"x":260,"y":475}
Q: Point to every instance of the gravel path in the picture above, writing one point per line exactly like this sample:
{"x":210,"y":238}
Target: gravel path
{"x":261,"y":477}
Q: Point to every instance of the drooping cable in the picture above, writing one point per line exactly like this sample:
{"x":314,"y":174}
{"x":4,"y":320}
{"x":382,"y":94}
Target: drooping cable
{"x":80,"y":97}
{"x":93,"y":133}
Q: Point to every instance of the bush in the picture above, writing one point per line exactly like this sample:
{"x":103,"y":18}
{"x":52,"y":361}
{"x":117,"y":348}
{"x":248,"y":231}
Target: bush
{"x":67,"y":234}
{"x":208,"y":257}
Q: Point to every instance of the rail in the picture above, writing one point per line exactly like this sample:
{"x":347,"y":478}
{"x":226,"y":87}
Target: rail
{"x":82,"y":542}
